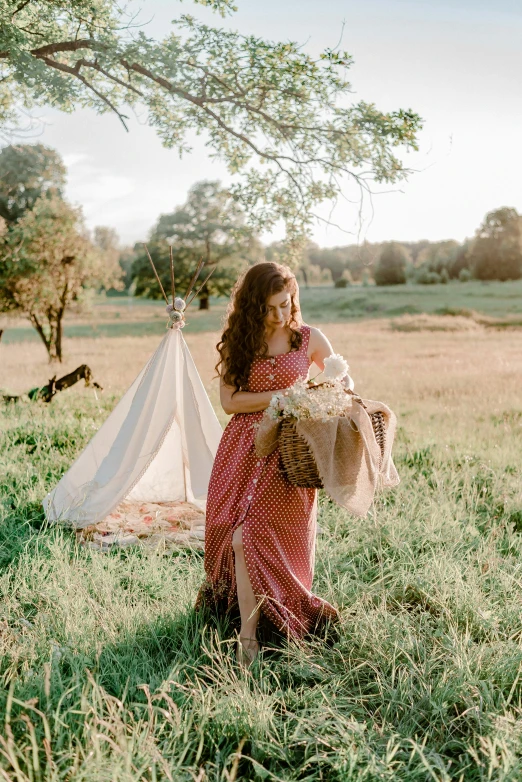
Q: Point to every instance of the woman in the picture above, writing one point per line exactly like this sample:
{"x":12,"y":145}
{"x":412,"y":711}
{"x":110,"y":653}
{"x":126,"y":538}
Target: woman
{"x":260,"y":529}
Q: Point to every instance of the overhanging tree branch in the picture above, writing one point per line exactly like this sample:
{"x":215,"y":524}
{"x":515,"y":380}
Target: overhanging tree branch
{"x":253,"y":98}
{"x":77,"y":75}
{"x":65,"y":46}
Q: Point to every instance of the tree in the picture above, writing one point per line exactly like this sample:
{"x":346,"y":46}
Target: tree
{"x":496,"y":253}
{"x":423,"y":276}
{"x":209,"y":226}
{"x":279,"y":252}
{"x":462,"y":262}
{"x":351,"y":259}
{"x":27,"y":172}
{"x":434,"y":262}
{"x":361,"y":258}
{"x":391,"y":266}
{"x":438,"y":256}
{"x":255,"y":101}
{"x":46,"y":263}
{"x":126,"y":260}
{"x":314,"y":275}
{"x":332,"y":258}
{"x":415,"y":248}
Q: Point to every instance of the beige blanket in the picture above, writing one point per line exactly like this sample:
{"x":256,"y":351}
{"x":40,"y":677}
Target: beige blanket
{"x":346,"y":452}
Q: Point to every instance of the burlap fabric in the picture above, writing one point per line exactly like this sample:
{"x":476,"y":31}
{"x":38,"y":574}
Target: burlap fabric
{"x":346,"y":452}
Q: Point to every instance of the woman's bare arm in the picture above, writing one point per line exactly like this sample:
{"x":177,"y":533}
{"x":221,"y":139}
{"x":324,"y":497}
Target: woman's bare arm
{"x":319,"y":349}
{"x":243,"y":401}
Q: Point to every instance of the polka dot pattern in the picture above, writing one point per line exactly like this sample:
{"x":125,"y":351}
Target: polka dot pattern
{"x":279,"y":520}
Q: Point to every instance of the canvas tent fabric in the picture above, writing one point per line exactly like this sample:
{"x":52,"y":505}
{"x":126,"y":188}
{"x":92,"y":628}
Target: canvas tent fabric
{"x":157,"y":445}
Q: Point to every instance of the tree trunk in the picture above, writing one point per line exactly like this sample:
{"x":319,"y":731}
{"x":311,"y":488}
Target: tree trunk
{"x":204,"y":299}
{"x":53,"y":353}
{"x":39,"y":328}
{"x":55,"y":335}
{"x":59,"y":334}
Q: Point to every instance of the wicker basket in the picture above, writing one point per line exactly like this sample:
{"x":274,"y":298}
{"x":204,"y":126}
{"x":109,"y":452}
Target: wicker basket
{"x":297,"y":459}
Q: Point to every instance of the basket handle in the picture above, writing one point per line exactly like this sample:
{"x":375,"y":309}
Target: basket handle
{"x":356,"y":397}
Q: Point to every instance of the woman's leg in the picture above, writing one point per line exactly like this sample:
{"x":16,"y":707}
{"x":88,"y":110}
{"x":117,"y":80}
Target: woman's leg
{"x":245,"y":594}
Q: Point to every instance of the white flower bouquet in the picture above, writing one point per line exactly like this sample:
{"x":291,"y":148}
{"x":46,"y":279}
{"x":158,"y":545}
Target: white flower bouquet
{"x":307,"y":399}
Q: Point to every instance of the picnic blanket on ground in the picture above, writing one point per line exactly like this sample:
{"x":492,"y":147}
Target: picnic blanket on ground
{"x":151,"y":524}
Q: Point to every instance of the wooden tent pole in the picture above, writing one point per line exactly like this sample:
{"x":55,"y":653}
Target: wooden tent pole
{"x":156,"y":273}
{"x":201,"y":286}
{"x":172,"y":275}
{"x":194,"y":278}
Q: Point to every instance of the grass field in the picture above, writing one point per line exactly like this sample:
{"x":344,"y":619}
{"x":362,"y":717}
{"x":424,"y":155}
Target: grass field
{"x":128,"y":317}
{"x":109,"y":675}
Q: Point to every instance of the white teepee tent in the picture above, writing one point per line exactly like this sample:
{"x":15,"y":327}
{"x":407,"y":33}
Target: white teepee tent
{"x":158,"y":444}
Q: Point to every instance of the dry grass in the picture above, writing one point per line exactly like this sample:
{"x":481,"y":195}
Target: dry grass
{"x":115,"y":361}
{"x":425,"y":322}
{"x":441,"y":382}
{"x":454,"y":320}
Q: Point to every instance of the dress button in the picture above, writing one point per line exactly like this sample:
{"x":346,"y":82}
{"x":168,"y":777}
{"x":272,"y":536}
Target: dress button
{"x":271,"y":377}
{"x":272,"y":360}
{"x":249,"y":497}
{"x":255,"y":480}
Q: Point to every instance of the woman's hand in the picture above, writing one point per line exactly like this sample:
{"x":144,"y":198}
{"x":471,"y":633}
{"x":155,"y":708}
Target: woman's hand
{"x":244,"y":401}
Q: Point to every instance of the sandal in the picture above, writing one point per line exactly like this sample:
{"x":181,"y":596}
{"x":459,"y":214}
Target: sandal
{"x":245,"y":654}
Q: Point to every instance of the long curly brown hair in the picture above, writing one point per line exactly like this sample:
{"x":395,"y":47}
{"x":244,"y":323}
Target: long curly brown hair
{"x":243,"y":338}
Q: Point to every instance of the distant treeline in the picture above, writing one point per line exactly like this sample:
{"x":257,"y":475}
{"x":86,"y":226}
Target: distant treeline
{"x":495,"y":253}
{"x":50,"y":264}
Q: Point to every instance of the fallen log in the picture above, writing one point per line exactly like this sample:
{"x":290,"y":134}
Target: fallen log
{"x":46,"y":393}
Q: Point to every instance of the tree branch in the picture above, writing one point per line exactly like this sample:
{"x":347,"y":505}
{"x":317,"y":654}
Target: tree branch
{"x":60,"y":66}
{"x":97,"y":67}
{"x":137,"y":68}
{"x":201,"y":104}
{"x":65,"y":46}
{"x":234,"y":98}
{"x":20,"y":7}
{"x":39,"y":328}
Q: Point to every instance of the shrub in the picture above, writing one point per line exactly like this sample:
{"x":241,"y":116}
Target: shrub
{"x":391,"y":268}
{"x":423,"y":276}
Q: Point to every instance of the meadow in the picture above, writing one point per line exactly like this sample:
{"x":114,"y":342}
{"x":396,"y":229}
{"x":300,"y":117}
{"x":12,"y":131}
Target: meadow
{"x":108,"y":674}
{"x":123,"y":316}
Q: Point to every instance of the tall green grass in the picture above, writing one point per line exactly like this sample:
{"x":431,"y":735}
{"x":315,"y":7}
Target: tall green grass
{"x":108,"y":674}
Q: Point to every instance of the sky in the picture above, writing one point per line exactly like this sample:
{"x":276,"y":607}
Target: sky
{"x":458,"y":64}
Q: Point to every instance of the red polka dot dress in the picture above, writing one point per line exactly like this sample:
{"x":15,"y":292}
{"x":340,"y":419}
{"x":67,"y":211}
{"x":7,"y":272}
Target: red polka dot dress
{"x":279,"y":519}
